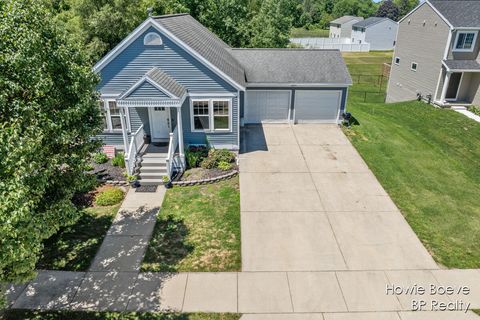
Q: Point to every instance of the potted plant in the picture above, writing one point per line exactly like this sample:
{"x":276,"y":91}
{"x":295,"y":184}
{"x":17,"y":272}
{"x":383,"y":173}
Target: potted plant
{"x":133,"y":181}
{"x":147,"y":139}
{"x":166,"y":182}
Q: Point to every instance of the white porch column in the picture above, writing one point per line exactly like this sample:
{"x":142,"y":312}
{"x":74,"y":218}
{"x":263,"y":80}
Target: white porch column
{"x":180,"y":134}
{"x":445,"y":87}
{"x":124,"y":130}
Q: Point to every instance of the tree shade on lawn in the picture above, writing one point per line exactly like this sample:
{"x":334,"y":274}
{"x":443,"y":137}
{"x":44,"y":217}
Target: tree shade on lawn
{"x":198,"y":229}
{"x":428,"y":160}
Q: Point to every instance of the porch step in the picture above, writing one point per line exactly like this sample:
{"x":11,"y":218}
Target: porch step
{"x":154,"y":162}
{"x":152,"y":175}
{"x":151,"y":182}
{"x":153,"y":169}
{"x":155,"y":155}
{"x":458,"y":108}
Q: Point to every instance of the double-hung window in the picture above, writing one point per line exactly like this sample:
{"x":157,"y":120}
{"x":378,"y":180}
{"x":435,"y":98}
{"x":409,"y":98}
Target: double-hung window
{"x":112,"y":116}
{"x":211,"y":115}
{"x":465,"y":41}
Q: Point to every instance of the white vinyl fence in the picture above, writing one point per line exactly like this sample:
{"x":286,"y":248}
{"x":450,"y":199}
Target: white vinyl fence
{"x":342,"y":44}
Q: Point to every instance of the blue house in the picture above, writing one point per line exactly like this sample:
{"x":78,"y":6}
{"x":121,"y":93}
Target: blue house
{"x":172,"y":83}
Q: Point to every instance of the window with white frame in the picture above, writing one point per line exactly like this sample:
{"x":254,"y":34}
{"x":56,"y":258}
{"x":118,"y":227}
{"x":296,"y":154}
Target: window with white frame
{"x":112,"y":116}
{"x":465,"y":41}
{"x":211,"y":114}
{"x":414,"y":66}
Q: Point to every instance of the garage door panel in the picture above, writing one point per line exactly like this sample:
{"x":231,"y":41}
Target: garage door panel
{"x":267,"y":106}
{"x":317,"y":106}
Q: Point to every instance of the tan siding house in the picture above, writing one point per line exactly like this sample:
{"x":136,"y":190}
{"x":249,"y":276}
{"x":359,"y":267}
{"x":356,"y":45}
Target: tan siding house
{"x":436,"y":56}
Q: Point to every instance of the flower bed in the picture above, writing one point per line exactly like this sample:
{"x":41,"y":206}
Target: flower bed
{"x":207,"y":165}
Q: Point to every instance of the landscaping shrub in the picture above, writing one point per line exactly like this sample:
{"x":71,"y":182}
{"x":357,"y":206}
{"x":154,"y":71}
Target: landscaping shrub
{"x":100,"y":157}
{"x":224,"y":166}
{"x":109,"y":197}
{"x":475,"y":109}
{"x":118,"y":161}
{"x":195,"y":155}
{"x":215,"y":156}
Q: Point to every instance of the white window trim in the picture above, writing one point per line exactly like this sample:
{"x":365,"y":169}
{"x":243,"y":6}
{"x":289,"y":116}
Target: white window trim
{"x":109,"y":118}
{"x":211,"y":116}
{"x":411,"y":66}
{"x":475,"y":34}
{"x":395,"y":61}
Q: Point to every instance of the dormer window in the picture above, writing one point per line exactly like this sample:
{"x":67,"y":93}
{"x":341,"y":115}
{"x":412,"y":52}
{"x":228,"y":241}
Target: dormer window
{"x":152,"y":39}
{"x":465,"y":41}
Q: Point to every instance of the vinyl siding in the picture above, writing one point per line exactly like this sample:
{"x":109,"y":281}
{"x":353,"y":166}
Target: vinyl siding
{"x":382,"y":35}
{"x":424,"y":45}
{"x":136,"y":60}
{"x":358,"y":35}
{"x":147,"y":90}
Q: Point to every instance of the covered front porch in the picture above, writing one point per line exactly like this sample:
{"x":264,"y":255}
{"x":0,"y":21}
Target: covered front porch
{"x":156,"y":148}
{"x":459,"y":83}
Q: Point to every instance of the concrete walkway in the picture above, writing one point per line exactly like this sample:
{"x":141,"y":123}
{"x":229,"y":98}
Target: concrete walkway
{"x":310,"y":203}
{"x":339,"y":295}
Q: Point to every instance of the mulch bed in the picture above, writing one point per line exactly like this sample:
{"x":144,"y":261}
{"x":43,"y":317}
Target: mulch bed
{"x":106,"y":171}
{"x":202,"y":174}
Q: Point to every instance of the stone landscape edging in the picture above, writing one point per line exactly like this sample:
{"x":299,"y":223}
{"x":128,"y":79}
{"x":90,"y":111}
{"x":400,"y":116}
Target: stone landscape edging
{"x":205,"y":181}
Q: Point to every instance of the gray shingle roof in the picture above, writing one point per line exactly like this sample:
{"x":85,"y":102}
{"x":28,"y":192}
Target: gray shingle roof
{"x":204,"y":42}
{"x":289,"y":66}
{"x":345,"y":19}
{"x":462,"y":64}
{"x":460,"y":13}
{"x":369,"y":22}
{"x":167,"y":82}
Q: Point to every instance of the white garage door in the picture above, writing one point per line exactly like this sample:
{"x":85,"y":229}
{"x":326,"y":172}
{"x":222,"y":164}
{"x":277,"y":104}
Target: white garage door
{"x":317,"y":106}
{"x":267,"y":106}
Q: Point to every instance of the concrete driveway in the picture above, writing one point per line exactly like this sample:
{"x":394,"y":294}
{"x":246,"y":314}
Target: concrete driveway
{"x":310,"y":203}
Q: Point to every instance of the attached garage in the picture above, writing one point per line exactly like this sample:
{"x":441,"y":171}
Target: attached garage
{"x":317,"y":106}
{"x":293,"y":85}
{"x":265,"y":106}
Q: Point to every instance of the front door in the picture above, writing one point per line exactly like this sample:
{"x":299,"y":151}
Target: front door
{"x":453,"y":86}
{"x":159,"y":123}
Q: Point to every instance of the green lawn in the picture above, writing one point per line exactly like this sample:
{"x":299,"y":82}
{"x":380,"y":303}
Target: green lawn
{"x":74,"y":247}
{"x":198,"y":229}
{"x":366,"y":69}
{"x":86,"y":315}
{"x":428,"y":160}
{"x":312,"y":33}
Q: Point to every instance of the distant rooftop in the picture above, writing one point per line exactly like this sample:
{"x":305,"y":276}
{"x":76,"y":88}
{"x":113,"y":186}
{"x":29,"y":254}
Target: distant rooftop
{"x":370,"y":22}
{"x":346,"y":19}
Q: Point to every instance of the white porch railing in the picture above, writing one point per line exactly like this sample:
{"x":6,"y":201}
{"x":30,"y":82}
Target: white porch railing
{"x":136,"y":144}
{"x":172,"y":149}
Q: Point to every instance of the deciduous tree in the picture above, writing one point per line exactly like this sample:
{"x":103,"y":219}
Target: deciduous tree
{"x":48,"y":114}
{"x":388,"y":9}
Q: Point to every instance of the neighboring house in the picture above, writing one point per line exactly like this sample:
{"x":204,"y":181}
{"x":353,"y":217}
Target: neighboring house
{"x":342,"y":27}
{"x":436,"y":55}
{"x":380,"y":33}
{"x":176,"y":82}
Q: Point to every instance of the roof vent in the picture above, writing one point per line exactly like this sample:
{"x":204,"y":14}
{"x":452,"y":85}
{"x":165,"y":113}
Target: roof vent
{"x":424,"y":22}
